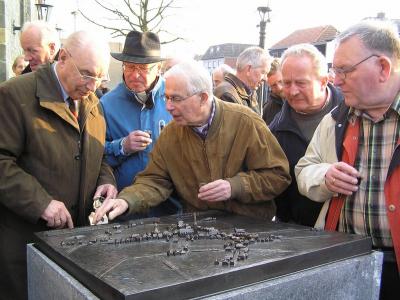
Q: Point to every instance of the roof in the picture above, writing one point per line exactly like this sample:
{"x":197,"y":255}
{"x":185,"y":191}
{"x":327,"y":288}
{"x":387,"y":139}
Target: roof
{"x":381,"y":16}
{"x":225,"y":50}
{"x":315,"y":35}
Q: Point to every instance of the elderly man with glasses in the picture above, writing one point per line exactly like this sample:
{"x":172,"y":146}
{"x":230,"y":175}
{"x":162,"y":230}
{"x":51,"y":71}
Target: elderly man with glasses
{"x":135,"y":111}
{"x":352,"y":164}
{"x":51,"y":152}
{"x":214,"y":154}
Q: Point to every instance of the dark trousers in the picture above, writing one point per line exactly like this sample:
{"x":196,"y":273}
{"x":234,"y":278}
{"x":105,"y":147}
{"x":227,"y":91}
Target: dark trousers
{"x":390,"y":280}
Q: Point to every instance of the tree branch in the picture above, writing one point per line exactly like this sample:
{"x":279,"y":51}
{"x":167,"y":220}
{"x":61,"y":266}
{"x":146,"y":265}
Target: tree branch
{"x":101,"y":25}
{"x":139,"y":15}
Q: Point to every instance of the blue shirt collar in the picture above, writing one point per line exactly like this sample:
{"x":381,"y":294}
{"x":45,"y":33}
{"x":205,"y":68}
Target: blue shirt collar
{"x":63,"y":92}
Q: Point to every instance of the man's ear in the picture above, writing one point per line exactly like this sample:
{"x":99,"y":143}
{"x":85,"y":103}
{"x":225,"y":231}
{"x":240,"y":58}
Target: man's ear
{"x":62,"y":56}
{"x":158,"y":68}
{"x":203,"y":98}
{"x":324,"y":82}
{"x":385,"y":68}
{"x":52,"y":47}
{"x":248,"y":69}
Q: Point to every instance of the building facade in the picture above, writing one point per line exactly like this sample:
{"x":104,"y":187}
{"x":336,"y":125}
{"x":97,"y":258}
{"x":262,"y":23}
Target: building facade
{"x":222,"y":54}
{"x":13,"y":13}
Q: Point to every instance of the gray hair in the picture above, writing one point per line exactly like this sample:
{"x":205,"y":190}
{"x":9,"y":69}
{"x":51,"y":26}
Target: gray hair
{"x":195,"y":76}
{"x":81,"y":41}
{"x":380,"y":36}
{"x":48,"y":34}
{"x":317,"y":58}
{"x":253,"y":56}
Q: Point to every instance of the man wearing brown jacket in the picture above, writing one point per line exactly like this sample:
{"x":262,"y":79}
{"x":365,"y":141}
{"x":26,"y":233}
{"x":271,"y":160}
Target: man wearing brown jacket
{"x":251,"y":68}
{"x":51,"y":152}
{"x":214,"y":154}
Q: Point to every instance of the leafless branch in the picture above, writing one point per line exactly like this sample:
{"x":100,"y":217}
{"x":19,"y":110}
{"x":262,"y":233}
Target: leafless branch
{"x":101,"y":25}
{"x":138,"y":15}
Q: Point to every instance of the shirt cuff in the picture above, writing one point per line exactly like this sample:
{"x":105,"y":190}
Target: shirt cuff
{"x":114,"y":147}
{"x":121,"y":146}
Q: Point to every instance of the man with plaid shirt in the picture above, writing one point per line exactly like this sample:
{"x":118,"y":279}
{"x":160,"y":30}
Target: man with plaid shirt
{"x":353,"y":161}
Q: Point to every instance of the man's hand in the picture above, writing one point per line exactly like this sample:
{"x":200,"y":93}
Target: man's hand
{"x":342,"y":178}
{"x":136,"y":141}
{"x":57,"y":216}
{"x":218,"y":190}
{"x":107,"y":191}
{"x":116,"y":207}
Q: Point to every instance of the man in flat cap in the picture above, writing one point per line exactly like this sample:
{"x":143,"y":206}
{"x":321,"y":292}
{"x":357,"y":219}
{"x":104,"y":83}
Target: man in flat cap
{"x":135,"y":111}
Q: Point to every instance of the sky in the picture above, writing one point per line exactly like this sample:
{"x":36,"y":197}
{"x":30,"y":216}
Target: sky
{"x":203,"y":23}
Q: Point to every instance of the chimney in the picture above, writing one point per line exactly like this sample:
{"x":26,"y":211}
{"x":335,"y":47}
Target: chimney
{"x":381,"y":15}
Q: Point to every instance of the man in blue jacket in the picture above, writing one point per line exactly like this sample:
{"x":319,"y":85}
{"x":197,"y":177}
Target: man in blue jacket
{"x":135,"y":110}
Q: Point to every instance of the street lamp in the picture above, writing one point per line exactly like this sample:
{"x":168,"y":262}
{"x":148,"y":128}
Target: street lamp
{"x":263,"y":10}
{"x":43,"y":13}
{"x":15,"y":27}
{"x":43,"y":10}
{"x":262,"y":90}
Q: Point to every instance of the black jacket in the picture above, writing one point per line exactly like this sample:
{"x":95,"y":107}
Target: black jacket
{"x":272,"y":108}
{"x":291,"y":205}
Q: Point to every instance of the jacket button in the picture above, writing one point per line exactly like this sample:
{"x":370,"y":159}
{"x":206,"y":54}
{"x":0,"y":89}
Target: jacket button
{"x":77,"y":157}
{"x":392,"y":207}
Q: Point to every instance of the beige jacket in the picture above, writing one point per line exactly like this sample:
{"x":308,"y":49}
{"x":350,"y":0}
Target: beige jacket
{"x":311,"y":168}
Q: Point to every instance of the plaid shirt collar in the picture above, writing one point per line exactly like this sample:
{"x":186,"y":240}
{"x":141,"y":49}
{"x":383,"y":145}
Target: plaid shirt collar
{"x":202,"y":131}
{"x":354,"y":112}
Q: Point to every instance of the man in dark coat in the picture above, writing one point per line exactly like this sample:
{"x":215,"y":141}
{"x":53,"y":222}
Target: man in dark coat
{"x":51,"y":152}
{"x":309,"y":98}
{"x":275,"y":97}
{"x":251,"y":67}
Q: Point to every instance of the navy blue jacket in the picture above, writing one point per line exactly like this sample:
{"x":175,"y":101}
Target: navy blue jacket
{"x":291,"y":205}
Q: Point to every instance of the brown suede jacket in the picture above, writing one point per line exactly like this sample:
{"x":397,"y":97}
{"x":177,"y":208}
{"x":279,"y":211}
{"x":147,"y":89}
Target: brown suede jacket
{"x":239,"y":148}
{"x":232,"y":89}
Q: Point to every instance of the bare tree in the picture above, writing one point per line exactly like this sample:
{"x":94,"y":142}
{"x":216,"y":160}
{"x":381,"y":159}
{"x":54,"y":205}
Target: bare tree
{"x":128,"y":15}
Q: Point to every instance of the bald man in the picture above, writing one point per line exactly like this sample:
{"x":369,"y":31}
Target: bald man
{"x":40,"y":42}
{"x":51,"y":152}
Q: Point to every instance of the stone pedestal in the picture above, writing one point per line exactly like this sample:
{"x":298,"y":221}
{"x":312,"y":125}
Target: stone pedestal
{"x":353,"y":278}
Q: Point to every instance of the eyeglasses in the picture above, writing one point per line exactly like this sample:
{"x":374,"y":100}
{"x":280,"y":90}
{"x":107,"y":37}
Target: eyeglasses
{"x":178,"y":99}
{"x":87,"y":78}
{"x":342,"y":72}
{"x":140,"y":68}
